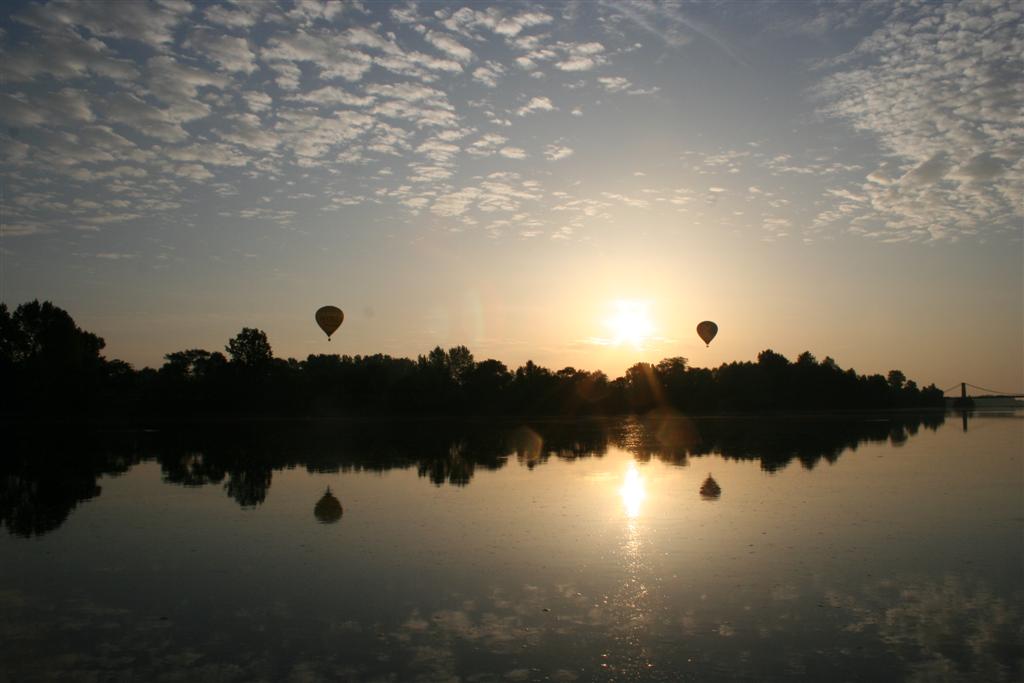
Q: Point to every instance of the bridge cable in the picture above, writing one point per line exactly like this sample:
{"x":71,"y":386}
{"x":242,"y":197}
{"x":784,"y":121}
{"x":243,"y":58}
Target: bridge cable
{"x":991,"y":391}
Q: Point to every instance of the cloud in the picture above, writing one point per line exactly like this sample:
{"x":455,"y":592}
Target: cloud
{"x":243,"y":16}
{"x":937,"y":86}
{"x":469,"y":22}
{"x":438,"y":151}
{"x":331,"y":95}
{"x":512,"y":26}
{"x":556,"y":152}
{"x":24,"y":228}
{"x":145,"y":22}
{"x":538,"y":103}
{"x":248,"y":130}
{"x":172,"y":100}
{"x":489,"y":73}
{"x":63,"y":107}
{"x":929,"y":171}
{"x":332,"y":54}
{"x":65,"y":55}
{"x":513,"y":152}
{"x":109,"y":255}
{"x":455,"y":203}
{"x":217,"y":154}
{"x":129,"y":110}
{"x":228,"y":52}
{"x":581,"y":56}
{"x":410,"y":92}
{"x":428,"y":173}
{"x":487,"y":144}
{"x":980,"y":168}
{"x":307,"y":11}
{"x":449,"y":46}
{"x":177,"y":84}
{"x":310,"y":135}
{"x":670,"y":23}
{"x":395,"y":59}
{"x":614,"y":83}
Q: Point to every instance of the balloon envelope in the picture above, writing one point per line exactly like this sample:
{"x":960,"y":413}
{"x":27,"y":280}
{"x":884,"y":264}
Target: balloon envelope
{"x":707,"y":331}
{"x":329,"y":318}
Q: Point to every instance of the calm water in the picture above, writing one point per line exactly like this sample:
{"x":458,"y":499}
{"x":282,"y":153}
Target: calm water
{"x":869,"y":548}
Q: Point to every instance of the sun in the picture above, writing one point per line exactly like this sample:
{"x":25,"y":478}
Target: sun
{"x":630,"y":323}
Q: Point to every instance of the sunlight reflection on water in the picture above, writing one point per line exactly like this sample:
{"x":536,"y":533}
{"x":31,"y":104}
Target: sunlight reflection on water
{"x":546,"y":554}
{"x":633,"y":491}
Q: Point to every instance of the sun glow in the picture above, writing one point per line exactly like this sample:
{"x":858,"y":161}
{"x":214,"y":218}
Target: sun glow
{"x":633,"y":491}
{"x":631,"y":323}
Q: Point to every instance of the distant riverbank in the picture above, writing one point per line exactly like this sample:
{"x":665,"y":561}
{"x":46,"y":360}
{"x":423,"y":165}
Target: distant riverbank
{"x":50,"y":367}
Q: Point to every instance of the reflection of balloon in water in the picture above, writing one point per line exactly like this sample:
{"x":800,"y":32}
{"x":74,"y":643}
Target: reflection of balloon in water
{"x":329,"y":318}
{"x":710,"y":490}
{"x":328,"y":509}
{"x":707,"y":331}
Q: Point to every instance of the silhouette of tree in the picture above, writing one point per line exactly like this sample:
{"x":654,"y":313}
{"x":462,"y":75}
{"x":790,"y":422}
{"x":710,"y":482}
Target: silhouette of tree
{"x":51,"y":362}
{"x":250,"y":348}
{"x":643,"y":389}
{"x":486,"y":384}
{"x":896,"y":379}
{"x":460,"y":363}
{"x":52,"y":365}
{"x":191,"y":364}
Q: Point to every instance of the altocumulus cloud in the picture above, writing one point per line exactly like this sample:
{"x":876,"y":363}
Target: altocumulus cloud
{"x":164,"y":108}
{"x":938,"y":86}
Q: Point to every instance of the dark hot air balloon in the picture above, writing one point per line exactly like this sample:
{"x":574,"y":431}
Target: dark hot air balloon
{"x":329,"y":318}
{"x":707,"y":331}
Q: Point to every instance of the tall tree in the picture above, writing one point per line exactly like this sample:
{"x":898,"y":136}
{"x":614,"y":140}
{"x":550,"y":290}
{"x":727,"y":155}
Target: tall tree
{"x":250,"y":348}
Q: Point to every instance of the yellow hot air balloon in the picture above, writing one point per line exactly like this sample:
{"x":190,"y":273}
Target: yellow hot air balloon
{"x":707,"y":331}
{"x":329,"y":318}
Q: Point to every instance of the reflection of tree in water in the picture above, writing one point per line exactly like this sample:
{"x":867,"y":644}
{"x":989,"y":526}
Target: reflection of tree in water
{"x":46,"y":473}
{"x":249,"y":486}
{"x":41,"y":482}
{"x":774,"y":441}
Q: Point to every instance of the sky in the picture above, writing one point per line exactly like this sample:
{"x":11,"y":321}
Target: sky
{"x":576,"y":183}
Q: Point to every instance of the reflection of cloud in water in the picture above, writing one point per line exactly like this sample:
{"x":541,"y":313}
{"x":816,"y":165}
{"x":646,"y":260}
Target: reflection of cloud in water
{"x":949,"y":629}
{"x":785,"y":591}
{"x":955,"y":630}
{"x":540,"y":624}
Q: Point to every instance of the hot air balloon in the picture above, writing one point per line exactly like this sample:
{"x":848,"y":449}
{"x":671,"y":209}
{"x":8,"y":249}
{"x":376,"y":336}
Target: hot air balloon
{"x":329,"y":318}
{"x":328,"y":509}
{"x":707,"y":331}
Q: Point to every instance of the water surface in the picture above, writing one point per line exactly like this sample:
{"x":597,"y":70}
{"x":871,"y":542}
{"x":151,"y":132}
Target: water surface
{"x":852,"y":548}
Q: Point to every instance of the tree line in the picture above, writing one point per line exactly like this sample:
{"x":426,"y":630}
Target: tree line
{"x":50,"y":366}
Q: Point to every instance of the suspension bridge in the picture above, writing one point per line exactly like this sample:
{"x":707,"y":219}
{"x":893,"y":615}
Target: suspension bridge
{"x":988,"y":394}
